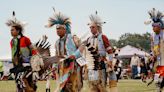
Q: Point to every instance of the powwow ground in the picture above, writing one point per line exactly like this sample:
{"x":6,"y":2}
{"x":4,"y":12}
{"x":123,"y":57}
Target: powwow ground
{"x":123,"y":86}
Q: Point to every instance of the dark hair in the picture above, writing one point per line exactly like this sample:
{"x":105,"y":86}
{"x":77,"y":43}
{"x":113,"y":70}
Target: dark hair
{"x":20,"y":29}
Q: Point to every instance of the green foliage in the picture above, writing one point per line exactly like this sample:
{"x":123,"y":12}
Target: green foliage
{"x":141,"y":41}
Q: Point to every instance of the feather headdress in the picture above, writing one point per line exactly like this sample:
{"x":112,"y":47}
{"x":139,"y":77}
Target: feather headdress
{"x":59,"y":20}
{"x":96,"y":20}
{"x":156,"y":18}
{"x":15,"y":22}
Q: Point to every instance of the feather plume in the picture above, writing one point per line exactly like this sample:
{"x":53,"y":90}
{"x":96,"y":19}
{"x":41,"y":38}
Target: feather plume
{"x":59,"y":19}
{"x":147,"y":22}
{"x":15,"y":22}
{"x":156,"y":17}
{"x":95,"y":19}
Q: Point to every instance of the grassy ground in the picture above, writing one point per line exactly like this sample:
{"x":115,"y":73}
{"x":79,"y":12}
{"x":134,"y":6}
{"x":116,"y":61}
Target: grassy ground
{"x":123,"y":86}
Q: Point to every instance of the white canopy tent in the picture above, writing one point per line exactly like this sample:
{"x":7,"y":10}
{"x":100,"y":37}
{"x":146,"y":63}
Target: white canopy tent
{"x":128,"y":51}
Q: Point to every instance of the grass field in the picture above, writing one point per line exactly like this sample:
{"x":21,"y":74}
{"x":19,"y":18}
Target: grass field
{"x":123,"y":86}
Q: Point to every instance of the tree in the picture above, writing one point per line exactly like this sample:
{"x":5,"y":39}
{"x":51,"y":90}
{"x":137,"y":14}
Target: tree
{"x":141,"y":41}
{"x":114,"y":42}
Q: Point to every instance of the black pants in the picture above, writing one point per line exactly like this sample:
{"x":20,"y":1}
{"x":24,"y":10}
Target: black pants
{"x":1,"y":74}
{"x":162,"y":83}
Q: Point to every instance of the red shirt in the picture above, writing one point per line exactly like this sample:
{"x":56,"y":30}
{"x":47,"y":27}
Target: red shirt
{"x":107,"y":44}
{"x":25,"y":44}
{"x":160,"y":70}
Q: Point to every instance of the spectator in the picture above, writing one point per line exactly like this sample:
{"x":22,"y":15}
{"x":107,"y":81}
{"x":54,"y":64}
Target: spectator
{"x":135,"y":62}
{"x":117,"y":69}
{"x":144,"y":71}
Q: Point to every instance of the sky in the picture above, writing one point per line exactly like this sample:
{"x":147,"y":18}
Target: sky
{"x":121,"y":16}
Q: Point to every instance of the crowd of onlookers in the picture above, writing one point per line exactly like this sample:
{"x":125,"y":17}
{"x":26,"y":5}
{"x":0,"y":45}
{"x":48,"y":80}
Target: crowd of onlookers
{"x":139,"y":67}
{"x":142,"y":67}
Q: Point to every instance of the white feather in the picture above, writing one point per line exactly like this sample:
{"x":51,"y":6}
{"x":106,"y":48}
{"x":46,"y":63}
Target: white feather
{"x":89,"y":59}
{"x":147,"y":22}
